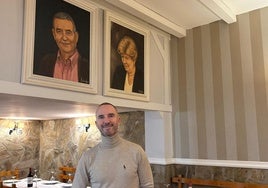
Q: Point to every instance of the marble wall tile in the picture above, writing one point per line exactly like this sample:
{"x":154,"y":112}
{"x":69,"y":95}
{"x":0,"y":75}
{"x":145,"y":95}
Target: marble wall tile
{"x":19,"y":150}
{"x":132,"y":127}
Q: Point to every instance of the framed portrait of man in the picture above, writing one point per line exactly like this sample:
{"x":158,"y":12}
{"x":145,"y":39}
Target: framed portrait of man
{"x":60,"y":50}
{"x":126,"y":58}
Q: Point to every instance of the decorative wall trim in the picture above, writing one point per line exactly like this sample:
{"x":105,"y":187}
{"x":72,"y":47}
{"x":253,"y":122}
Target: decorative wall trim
{"x":162,"y":161}
{"x":162,"y":42}
{"x":220,"y":9}
{"x":205,"y":162}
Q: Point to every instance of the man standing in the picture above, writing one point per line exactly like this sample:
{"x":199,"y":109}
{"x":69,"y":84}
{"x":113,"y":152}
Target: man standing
{"x":115,"y":162}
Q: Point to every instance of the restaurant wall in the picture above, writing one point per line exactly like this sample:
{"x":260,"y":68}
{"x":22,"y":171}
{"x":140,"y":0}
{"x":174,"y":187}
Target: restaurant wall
{"x":220,"y":102}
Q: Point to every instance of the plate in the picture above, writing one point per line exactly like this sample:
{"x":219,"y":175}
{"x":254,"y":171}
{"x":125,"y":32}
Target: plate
{"x":50,"y":182}
{"x":10,"y":181}
{"x":37,"y":179}
{"x":66,"y":186}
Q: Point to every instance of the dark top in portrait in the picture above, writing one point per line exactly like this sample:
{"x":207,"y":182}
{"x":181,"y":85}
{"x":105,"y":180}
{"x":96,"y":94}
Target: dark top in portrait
{"x":119,"y":79}
{"x":47,"y":64}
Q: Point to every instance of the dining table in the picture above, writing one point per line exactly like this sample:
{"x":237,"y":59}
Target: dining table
{"x":37,"y":183}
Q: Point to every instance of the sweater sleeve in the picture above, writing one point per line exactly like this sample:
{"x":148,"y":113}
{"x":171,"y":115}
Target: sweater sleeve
{"x":81,"y":178}
{"x":145,"y":171}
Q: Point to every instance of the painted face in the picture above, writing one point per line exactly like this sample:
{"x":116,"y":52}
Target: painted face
{"x":65,"y":36}
{"x":128,"y":63}
{"x":107,"y":120}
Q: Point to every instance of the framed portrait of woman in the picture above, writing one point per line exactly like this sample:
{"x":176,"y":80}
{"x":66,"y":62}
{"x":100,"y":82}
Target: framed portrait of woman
{"x":126,"y":58}
{"x":59,"y":44}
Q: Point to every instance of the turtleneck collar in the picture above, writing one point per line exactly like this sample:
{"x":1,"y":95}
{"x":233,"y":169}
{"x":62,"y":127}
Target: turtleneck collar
{"x":110,"y":141}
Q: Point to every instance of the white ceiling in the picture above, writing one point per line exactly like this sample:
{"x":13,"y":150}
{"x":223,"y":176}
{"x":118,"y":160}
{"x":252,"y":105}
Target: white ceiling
{"x":192,"y":13}
{"x":174,"y":16}
{"x":22,"y":107}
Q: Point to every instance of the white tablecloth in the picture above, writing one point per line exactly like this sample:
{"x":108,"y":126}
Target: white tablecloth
{"x":40,"y":184}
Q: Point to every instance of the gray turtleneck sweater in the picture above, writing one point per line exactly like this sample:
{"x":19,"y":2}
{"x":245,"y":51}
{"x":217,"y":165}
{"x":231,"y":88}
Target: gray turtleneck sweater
{"x":114,"y":163}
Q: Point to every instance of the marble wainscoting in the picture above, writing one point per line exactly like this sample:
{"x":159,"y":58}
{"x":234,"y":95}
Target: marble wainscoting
{"x":164,"y":173}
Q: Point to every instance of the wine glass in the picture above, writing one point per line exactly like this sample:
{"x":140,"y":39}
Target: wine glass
{"x":35,"y":178}
{"x":52,"y":177}
{"x":35,"y":174}
{"x":13,"y":179}
{"x":70,"y":178}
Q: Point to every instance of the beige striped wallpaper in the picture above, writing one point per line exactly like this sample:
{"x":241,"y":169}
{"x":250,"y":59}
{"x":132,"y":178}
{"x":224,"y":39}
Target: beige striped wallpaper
{"x":220,"y":109}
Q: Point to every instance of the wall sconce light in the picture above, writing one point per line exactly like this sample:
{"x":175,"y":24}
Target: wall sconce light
{"x":84,"y":127}
{"x":15,"y":129}
{"x":87,"y":127}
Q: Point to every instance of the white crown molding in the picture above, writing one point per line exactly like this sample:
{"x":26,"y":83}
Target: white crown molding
{"x":162,"y":161}
{"x":207,"y":162}
{"x":149,"y":16}
{"x":220,"y":9}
